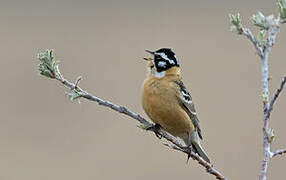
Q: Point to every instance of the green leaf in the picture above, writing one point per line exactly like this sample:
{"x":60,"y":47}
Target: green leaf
{"x":235,"y":23}
{"x":271,"y":21}
{"x":282,"y":10}
{"x":261,"y":38}
{"x":142,"y":126}
{"x":259,"y":20}
{"x":270,"y":135}
{"x":74,"y":94}
{"x":265,"y":96}
{"x":48,"y":66}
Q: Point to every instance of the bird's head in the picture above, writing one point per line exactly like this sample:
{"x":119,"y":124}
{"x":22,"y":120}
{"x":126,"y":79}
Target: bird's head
{"x":164,"y":59}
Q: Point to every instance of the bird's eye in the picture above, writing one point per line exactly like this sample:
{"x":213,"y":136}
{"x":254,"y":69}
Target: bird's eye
{"x":151,"y":67}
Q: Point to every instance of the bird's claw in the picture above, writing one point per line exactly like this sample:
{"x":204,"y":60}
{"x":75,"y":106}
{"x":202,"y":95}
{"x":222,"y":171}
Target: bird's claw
{"x":189,"y":149}
{"x":156,"y":129}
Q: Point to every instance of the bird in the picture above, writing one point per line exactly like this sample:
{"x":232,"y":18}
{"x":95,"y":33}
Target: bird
{"x":167,"y":102}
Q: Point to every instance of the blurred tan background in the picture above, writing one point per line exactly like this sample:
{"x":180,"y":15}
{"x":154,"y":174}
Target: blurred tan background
{"x":45,"y":136}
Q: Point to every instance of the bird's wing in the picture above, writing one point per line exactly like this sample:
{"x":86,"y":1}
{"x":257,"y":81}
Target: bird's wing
{"x":186,"y":102}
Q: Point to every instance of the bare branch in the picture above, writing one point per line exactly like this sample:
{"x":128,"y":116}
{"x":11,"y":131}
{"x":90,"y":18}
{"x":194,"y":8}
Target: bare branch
{"x":246,"y":32}
{"x":209,"y":167}
{"x":269,"y":27}
{"x":77,"y":92}
{"x":267,"y":138}
{"x":77,"y":82}
{"x":279,"y":152}
{"x":276,"y":94}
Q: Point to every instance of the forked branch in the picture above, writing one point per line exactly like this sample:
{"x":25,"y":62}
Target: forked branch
{"x":276,"y":94}
{"x":279,"y":152}
{"x":268,"y":29}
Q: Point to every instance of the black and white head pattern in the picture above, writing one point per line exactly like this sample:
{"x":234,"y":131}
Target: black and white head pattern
{"x":165,"y":59}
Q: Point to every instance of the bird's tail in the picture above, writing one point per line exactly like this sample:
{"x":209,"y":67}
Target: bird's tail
{"x":198,"y":149}
{"x":195,"y":141}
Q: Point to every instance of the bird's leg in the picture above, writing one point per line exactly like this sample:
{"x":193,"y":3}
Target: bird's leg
{"x":189,"y":147}
{"x":156,"y":129}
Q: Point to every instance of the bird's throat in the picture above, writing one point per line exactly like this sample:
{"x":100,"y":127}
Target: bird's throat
{"x":159,"y":74}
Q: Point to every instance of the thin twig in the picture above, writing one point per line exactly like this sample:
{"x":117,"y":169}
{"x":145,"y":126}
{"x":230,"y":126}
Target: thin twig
{"x":279,"y":152}
{"x":77,"y":82}
{"x":209,"y":167}
{"x":276,"y":94}
{"x":246,"y":32}
{"x":84,"y":94}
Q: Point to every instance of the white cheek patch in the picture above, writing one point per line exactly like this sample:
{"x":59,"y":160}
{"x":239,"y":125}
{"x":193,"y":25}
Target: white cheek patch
{"x":162,"y":64}
{"x":164,"y":56}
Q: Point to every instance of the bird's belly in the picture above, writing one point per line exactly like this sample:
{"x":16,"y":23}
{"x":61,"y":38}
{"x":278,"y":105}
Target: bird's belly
{"x":162,"y":108}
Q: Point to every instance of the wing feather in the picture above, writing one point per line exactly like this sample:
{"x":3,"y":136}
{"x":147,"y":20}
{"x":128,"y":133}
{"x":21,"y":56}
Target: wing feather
{"x":186,"y":102}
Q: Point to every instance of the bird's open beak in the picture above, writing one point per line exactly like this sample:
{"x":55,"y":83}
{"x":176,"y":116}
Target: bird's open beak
{"x":151,"y":52}
{"x":148,"y":59}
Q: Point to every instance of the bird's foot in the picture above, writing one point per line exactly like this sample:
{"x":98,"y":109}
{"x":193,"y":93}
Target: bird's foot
{"x":189,"y":149}
{"x":156,"y":129}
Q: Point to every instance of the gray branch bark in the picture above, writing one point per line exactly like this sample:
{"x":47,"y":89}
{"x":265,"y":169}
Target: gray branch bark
{"x":246,"y":32}
{"x":276,"y":94}
{"x":279,"y":152}
{"x":175,"y":144}
{"x":263,"y":53}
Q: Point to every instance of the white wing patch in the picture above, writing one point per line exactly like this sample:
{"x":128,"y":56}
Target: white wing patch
{"x":188,"y":105}
{"x":164,"y":56}
{"x":187,"y":99}
{"x":184,"y":94}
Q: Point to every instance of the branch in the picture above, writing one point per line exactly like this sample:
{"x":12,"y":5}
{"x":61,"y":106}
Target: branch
{"x":269,"y":27}
{"x":279,"y":152}
{"x":276,"y":94}
{"x":47,"y":59}
{"x":237,"y":27}
{"x":268,"y":135}
{"x":246,"y":32}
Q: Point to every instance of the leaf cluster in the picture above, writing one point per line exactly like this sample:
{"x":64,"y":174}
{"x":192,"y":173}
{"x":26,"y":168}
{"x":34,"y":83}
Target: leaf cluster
{"x":48,"y":66}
